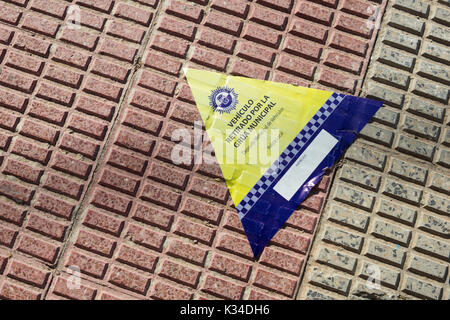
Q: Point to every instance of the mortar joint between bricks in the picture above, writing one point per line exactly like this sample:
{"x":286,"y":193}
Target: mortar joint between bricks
{"x":84,"y":201}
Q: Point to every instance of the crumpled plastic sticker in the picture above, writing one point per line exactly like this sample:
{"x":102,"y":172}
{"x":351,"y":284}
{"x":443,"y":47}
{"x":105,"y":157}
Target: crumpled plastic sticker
{"x":274,"y":142}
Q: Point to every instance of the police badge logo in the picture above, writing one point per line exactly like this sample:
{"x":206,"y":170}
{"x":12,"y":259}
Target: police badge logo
{"x":223,"y":99}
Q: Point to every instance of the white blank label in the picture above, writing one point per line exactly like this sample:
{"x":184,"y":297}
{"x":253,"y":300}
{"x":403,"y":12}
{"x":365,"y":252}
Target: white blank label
{"x":305,"y":165}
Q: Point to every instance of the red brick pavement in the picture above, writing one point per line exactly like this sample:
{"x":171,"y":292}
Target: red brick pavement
{"x":86,"y":118}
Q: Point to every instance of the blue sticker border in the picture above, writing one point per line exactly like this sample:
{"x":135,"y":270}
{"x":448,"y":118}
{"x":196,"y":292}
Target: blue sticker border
{"x":270,"y":212}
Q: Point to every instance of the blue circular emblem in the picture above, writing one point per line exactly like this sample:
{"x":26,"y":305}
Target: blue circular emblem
{"x":223,"y":99}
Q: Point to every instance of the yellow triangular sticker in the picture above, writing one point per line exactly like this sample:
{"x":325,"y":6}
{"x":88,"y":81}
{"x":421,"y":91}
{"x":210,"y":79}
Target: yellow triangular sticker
{"x":250,"y":122}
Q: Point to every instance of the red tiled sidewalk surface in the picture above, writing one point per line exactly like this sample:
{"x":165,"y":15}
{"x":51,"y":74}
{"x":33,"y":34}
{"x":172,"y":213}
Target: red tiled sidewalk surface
{"x":86,"y":118}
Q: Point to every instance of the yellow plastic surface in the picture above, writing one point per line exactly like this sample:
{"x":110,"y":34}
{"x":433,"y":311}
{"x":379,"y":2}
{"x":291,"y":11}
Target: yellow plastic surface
{"x":243,"y":164}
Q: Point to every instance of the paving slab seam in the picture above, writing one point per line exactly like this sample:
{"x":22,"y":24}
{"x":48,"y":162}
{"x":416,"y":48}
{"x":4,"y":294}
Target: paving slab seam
{"x":136,"y":63}
{"x":337,"y":166}
{"x":387,"y":214}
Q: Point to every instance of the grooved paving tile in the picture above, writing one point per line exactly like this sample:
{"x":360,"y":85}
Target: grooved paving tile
{"x":87,"y":117}
{"x":22,"y":278}
{"x":389,"y":214}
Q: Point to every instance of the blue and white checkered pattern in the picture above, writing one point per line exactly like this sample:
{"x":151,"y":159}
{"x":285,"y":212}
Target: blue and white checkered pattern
{"x":288,"y":154}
